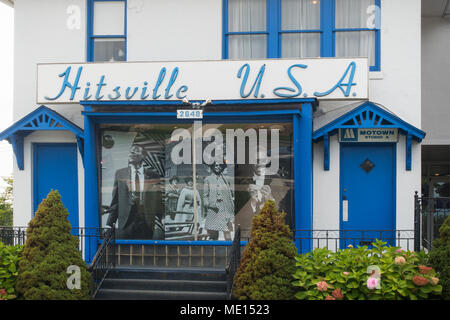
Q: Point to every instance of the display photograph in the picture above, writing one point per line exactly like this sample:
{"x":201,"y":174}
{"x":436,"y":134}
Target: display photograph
{"x":148,"y":180}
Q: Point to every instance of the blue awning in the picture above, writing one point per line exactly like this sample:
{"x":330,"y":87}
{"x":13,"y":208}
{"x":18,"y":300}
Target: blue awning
{"x":42,"y":118}
{"x":364,"y":115}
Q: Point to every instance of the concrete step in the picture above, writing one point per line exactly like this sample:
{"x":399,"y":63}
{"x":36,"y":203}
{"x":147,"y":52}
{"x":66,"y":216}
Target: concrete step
{"x":114,"y":294}
{"x":150,"y":283}
{"x":202,"y":274}
{"x":165,"y":285}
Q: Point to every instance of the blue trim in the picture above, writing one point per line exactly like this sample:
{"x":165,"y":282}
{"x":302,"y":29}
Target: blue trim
{"x":368,"y":115}
{"x":273,"y":25}
{"x":408,"y":152}
{"x":327,"y":30}
{"x":303,"y":180}
{"x":302,"y":122}
{"x":90,"y":37}
{"x":214,"y":102}
{"x":224,"y":29}
{"x":379,"y":115}
{"x":326,"y":152}
{"x":42,"y":118}
{"x":91,"y":195}
{"x":179,"y":243}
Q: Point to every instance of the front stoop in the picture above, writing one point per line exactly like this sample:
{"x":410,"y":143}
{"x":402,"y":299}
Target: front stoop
{"x":127,"y":283}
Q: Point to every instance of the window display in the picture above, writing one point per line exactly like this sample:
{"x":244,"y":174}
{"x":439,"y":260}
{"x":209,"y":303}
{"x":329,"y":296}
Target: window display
{"x":157,"y":183}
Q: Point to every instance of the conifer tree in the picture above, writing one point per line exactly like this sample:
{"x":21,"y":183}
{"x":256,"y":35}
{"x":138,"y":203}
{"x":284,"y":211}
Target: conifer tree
{"x":440,"y":257}
{"x":268,"y":261}
{"x":49,"y":251}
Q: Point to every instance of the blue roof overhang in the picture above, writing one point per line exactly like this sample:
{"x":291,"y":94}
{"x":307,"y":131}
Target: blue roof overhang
{"x":43,"y":118}
{"x":368,"y":115}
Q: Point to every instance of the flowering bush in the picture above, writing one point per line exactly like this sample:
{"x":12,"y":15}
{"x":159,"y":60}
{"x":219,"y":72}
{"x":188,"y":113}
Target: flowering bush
{"x":381,"y":272}
{"x":9,"y":258}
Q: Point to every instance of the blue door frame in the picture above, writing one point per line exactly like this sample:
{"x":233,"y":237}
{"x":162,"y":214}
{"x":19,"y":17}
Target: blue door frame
{"x":371,"y":196}
{"x":300,"y":117}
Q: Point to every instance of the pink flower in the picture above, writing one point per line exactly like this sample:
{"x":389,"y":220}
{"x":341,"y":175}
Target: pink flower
{"x":420,"y":281}
{"x":372,"y":283}
{"x":322,"y":286}
{"x":3,"y":292}
{"x":346,"y":273}
{"x":424,"y":269}
{"x":399,"y":261}
{"x":337,"y":294}
{"x":399,"y":250}
{"x":330,"y":298}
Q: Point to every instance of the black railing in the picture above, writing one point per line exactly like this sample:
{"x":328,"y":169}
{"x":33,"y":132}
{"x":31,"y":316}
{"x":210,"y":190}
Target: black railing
{"x":12,"y":236}
{"x":89,"y":238}
{"x":233,"y":262}
{"x":430,"y":214}
{"x":104,"y":260}
{"x":307,"y":240}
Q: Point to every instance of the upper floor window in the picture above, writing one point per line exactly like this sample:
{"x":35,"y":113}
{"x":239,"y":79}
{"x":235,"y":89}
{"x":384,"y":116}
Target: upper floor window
{"x":107,"y":30}
{"x":302,"y":29}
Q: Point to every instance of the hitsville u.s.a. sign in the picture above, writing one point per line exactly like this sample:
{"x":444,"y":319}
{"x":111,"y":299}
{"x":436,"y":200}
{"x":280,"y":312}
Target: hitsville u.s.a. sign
{"x":321,"y":78}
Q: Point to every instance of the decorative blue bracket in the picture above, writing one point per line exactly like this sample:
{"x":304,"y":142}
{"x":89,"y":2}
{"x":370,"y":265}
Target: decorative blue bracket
{"x":408,"y":152}
{"x":326,"y":152}
{"x":367,"y":115}
{"x":42,"y":118}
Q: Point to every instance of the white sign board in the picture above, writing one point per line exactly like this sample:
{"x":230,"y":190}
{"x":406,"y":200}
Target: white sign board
{"x":368,"y":135}
{"x":321,"y":78}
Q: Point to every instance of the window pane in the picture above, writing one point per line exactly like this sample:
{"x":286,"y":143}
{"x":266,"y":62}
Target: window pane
{"x":149,"y":194}
{"x":109,"y":50}
{"x":300,"y":14}
{"x":109,"y":18}
{"x":300,"y":45}
{"x":355,"y":13}
{"x":246,"y":15}
{"x":247,"y":46}
{"x":356,"y":44}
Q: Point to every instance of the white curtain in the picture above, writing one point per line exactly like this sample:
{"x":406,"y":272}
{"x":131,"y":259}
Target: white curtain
{"x":109,"y":50}
{"x":300,"y":15}
{"x":355,"y":14}
{"x":245,"y":16}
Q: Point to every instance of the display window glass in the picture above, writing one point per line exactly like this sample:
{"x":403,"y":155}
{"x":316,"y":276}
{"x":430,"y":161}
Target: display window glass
{"x":195,"y":181}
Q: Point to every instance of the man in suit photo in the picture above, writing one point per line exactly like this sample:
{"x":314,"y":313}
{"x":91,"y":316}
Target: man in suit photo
{"x":137,"y":206}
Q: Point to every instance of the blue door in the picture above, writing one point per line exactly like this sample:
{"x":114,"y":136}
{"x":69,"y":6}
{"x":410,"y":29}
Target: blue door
{"x":55,"y":167}
{"x":368,"y":184}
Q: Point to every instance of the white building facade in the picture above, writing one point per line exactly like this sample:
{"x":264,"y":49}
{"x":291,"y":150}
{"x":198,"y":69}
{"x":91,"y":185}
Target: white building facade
{"x":334,"y":85}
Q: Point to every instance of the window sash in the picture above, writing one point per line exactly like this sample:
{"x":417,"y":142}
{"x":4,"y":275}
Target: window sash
{"x":327,"y":31}
{"x":91,"y":37}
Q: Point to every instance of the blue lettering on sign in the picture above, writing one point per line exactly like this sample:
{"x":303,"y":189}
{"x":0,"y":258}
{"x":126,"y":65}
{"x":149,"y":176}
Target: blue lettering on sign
{"x":295,"y":92}
{"x":345,"y":85}
{"x":66,"y":84}
{"x":351,"y":69}
{"x":116,"y":93}
{"x":256,"y":84}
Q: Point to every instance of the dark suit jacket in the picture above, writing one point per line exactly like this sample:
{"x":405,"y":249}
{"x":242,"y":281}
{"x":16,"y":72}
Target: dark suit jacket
{"x":122,"y":202}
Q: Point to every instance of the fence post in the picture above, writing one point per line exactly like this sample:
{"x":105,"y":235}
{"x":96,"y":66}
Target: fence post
{"x":417,"y":234}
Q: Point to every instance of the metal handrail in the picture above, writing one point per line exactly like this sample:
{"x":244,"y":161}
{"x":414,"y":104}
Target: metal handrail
{"x":233,"y":262}
{"x":104,"y":260}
